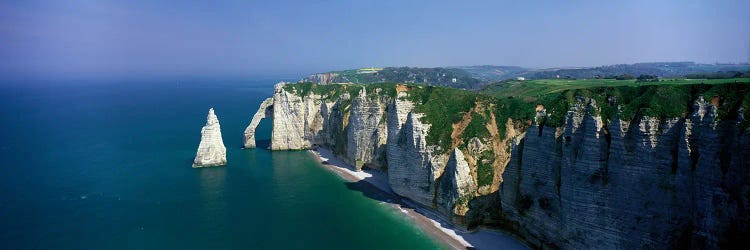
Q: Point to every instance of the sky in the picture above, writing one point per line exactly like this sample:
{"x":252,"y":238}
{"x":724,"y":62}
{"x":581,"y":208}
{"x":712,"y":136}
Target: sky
{"x":257,"y":38}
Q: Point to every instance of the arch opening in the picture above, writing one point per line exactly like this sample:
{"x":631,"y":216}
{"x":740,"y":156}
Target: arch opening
{"x":264,"y":111}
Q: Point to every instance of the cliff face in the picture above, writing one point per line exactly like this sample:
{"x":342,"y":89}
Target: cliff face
{"x":366,"y":133}
{"x":211,"y":151}
{"x":589,"y":183}
{"x":323,"y":78}
{"x":649,"y":183}
{"x":456,"y":186}
{"x":298,"y":119}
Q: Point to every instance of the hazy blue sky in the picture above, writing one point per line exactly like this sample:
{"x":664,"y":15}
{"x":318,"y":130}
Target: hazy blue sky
{"x":81,"y":38}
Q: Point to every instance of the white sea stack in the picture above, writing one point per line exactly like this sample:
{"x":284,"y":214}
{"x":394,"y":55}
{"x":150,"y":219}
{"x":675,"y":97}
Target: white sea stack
{"x":211,"y":151}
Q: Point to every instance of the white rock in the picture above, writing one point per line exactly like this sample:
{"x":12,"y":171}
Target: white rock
{"x":297,"y":120}
{"x":264,"y":111}
{"x":366,"y":133}
{"x":211,"y":151}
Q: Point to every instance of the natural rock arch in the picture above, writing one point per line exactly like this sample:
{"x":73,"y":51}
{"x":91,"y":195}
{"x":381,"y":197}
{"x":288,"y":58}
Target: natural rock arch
{"x":264,"y":111}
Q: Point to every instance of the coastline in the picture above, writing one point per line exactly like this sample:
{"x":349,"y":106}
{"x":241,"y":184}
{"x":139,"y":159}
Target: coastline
{"x":375,"y":183}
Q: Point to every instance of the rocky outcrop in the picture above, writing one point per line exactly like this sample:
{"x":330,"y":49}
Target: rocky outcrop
{"x":211,"y":150}
{"x":264,"y":111}
{"x":457,"y":186}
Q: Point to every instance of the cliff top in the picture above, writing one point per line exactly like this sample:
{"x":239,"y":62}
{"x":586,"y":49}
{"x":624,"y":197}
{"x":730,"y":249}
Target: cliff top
{"x":664,"y":98}
{"x":517,"y":102}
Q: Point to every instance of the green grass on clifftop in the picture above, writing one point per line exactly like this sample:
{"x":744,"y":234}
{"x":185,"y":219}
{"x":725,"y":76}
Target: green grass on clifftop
{"x":668,"y":98}
{"x":442,"y":107}
{"x":333,"y":91}
{"x":539,"y":88}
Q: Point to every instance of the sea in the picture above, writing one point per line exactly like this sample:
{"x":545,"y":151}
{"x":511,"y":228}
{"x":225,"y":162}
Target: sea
{"x":107,"y":165}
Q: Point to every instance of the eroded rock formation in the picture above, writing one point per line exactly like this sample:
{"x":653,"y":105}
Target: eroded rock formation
{"x":264,"y":111}
{"x":457,"y":186}
{"x":211,"y":150}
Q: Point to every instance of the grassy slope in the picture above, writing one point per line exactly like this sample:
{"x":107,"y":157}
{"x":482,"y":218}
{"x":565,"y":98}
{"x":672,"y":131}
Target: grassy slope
{"x":537,"y":88}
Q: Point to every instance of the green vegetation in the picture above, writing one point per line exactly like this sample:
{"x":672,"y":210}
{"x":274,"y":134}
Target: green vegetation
{"x":664,"y":98}
{"x":719,"y":75}
{"x":661,"y":69}
{"x":654,"y":101}
{"x":333,"y":91}
{"x":485,"y":169}
{"x":647,"y":78}
{"x":477,"y":127}
{"x":451,"y":77}
{"x":513,"y":108}
{"x":442,"y":107}
{"x":537,"y":88}
{"x":475,"y":77}
{"x":730,"y":98}
{"x":300,"y":89}
{"x":623,"y":77}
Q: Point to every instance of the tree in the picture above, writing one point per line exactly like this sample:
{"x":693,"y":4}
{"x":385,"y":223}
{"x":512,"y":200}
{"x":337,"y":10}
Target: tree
{"x":647,"y":78}
{"x":625,"y":77}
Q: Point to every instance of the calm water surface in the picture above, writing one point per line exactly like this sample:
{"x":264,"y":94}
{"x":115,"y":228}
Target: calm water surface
{"x":107,"y":165}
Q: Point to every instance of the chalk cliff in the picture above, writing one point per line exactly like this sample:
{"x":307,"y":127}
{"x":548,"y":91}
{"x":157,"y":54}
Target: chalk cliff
{"x":589,"y":182}
{"x":366,"y":132}
{"x":211,"y":150}
{"x":457,"y":185}
{"x":649,"y":183}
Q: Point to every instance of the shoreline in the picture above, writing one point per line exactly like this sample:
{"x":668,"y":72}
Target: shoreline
{"x":375,"y":183}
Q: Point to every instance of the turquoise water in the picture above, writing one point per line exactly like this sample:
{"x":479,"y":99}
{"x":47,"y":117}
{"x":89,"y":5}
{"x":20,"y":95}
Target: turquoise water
{"x":106,"y":165}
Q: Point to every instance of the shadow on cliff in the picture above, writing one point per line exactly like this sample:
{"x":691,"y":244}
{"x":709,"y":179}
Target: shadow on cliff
{"x":484,"y":210}
{"x":262,"y":144}
{"x":371,"y":191}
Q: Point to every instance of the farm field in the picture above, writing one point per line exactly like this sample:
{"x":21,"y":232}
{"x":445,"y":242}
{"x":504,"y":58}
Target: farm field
{"x":537,"y":88}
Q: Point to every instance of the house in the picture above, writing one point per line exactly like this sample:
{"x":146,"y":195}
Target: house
{"x":369,"y":70}
{"x":521,"y":78}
